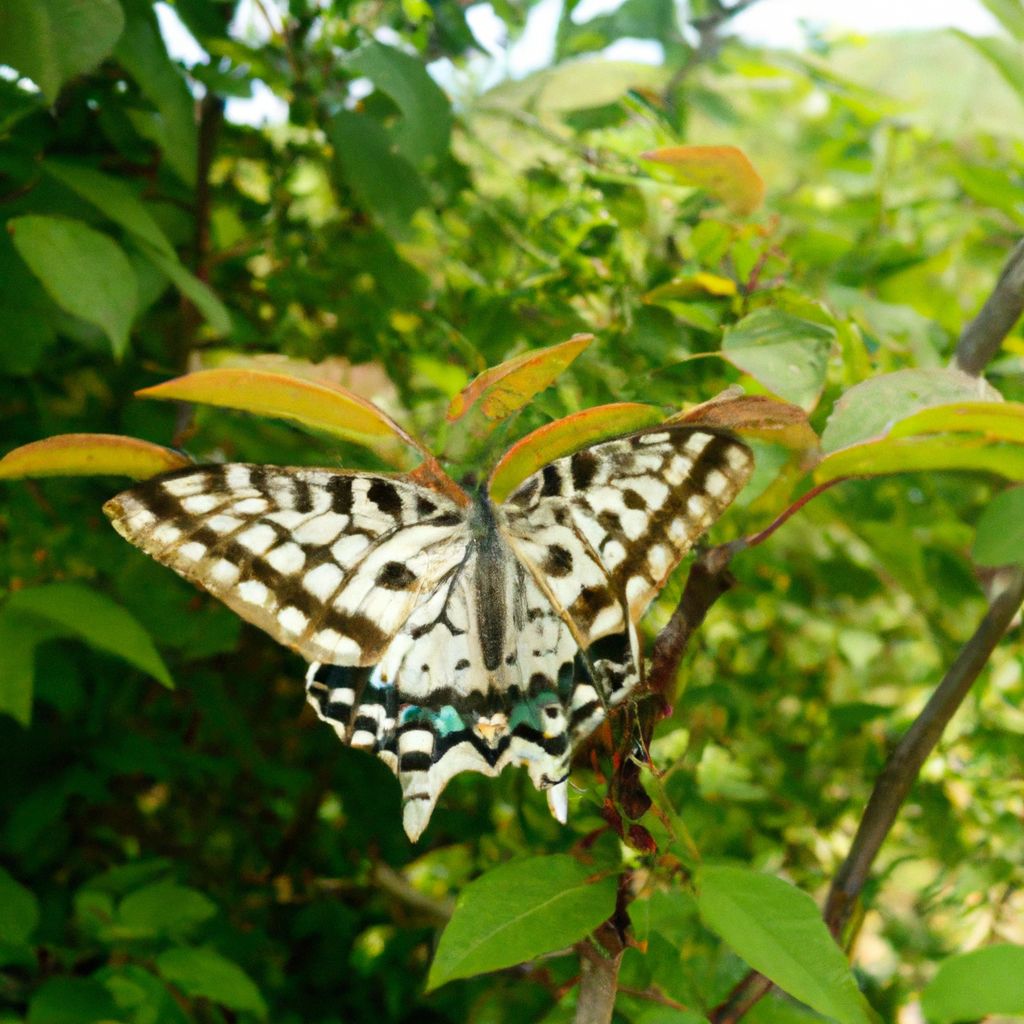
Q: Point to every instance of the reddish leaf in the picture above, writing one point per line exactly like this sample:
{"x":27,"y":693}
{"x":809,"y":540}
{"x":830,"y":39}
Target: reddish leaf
{"x":566,"y":435}
{"x":760,"y":416}
{"x":507,"y":387}
{"x":724,"y":171}
{"x":90,"y":455}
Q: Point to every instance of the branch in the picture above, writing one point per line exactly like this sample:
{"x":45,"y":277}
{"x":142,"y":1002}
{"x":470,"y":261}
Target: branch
{"x":708,"y":580}
{"x":599,"y":975}
{"x":981,"y":338}
{"x":896,"y":780}
{"x":918,"y":742}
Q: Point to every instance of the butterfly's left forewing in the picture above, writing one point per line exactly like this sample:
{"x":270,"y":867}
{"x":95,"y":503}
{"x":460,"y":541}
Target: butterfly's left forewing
{"x":602,"y":530}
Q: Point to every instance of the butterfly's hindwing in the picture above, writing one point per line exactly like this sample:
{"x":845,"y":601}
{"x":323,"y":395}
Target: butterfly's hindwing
{"x":444,"y":639}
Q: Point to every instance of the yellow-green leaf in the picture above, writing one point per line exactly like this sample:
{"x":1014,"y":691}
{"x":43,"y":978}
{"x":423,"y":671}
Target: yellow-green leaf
{"x":90,"y":455}
{"x":913,"y":454}
{"x":724,"y":171}
{"x":329,"y":408}
{"x":1001,"y":420}
{"x":695,"y":285}
{"x":554,"y":440}
{"x":506,"y":388}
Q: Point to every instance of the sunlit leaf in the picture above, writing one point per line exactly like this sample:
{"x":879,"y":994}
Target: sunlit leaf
{"x":1010,"y":14}
{"x":1002,"y":54}
{"x":90,"y":455}
{"x":518,"y":911}
{"x":997,"y":420}
{"x":328,"y":408}
{"x":698,"y":284}
{"x":724,"y":171}
{"x":786,"y":353}
{"x":870,"y":409}
{"x":84,"y":271}
{"x":999,"y":539}
{"x":506,"y":388}
{"x":915,"y":454}
{"x":80,"y":612}
{"x":554,"y":440}
{"x":52,"y":41}
{"x":423,"y":132}
{"x":172,"y":125}
{"x":973,"y":985}
{"x":778,"y":930}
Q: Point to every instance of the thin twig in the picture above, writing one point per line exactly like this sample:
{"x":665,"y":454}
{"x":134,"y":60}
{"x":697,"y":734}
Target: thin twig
{"x":982,"y":337}
{"x":918,"y":742}
{"x":895,"y":781}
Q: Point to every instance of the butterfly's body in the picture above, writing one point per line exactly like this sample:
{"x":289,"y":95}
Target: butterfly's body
{"x":445,"y":636}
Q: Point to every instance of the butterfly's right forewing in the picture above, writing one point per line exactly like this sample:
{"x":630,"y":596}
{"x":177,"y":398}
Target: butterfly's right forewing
{"x":330,"y":564}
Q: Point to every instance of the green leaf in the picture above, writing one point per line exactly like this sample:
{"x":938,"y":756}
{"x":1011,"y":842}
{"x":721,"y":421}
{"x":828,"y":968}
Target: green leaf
{"x":1010,"y":14}
{"x":172,"y":125}
{"x":1003,"y":55}
{"x":165,"y":908}
{"x":423,"y":132}
{"x":778,"y":930}
{"x":787,"y":354}
{"x":197,"y":292}
{"x":205,"y":973}
{"x":84,"y":613}
{"x":20,"y":635}
{"x":518,"y":911}
{"x":972,"y":985}
{"x":1000,"y":532}
{"x":71,"y":1001}
{"x":52,"y":41}
{"x":385,"y":182}
{"x":113,"y":198}
{"x":869,"y":409}
{"x":85,"y":272}
{"x":20,"y":914}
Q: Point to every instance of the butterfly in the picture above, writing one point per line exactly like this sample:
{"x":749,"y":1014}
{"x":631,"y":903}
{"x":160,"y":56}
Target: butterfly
{"x":448,"y":633}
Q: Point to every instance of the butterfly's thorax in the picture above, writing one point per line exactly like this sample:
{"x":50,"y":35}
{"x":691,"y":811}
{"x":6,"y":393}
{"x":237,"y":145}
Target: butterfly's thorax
{"x":493,"y":566}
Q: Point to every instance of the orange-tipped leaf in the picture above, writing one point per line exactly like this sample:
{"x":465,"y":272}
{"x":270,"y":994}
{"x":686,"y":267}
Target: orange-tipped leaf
{"x":90,"y":455}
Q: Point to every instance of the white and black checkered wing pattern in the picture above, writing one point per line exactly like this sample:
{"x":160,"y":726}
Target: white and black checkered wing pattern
{"x":601,"y":531}
{"x":331,"y":564}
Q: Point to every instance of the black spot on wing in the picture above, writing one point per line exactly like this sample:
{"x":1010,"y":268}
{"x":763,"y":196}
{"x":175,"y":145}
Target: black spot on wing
{"x":583,"y":466}
{"x":558,"y":561}
{"x":302,"y":495}
{"x":385,"y":496}
{"x":340,"y":490}
{"x":552,"y":481}
{"x":395,"y":576}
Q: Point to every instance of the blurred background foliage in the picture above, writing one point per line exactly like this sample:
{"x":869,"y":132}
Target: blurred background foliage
{"x":211,"y":853}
